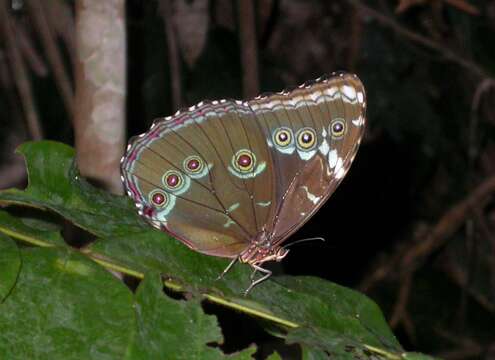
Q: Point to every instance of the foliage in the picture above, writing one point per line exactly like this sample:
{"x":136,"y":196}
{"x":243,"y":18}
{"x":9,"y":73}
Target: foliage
{"x":59,"y":302}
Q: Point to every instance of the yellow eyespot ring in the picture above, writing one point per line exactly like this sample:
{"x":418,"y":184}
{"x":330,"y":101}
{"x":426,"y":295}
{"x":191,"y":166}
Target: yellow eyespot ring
{"x":282,"y":137}
{"x":244,"y":161}
{"x":158,"y":198}
{"x":306,"y":138}
{"x":172,"y":180}
{"x":337,"y":128}
{"x":193,"y":164}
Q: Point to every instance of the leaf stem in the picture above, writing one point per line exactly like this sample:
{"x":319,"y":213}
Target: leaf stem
{"x":385,"y":353}
{"x":25,"y":238}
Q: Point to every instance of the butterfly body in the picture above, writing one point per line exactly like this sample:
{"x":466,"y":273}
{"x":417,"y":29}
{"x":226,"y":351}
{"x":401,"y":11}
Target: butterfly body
{"x":236,"y":178}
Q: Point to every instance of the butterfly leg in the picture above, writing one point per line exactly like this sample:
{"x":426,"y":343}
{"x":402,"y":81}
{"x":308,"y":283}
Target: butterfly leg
{"x":229,"y":266}
{"x":253,"y":274}
{"x":267,"y":273}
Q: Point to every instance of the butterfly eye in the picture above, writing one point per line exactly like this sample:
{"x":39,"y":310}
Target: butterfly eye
{"x":193,"y":164}
{"x":283,"y":137}
{"x":158,"y":198}
{"x":306,"y":138}
{"x":337,"y":128}
{"x":172,"y":180}
{"x":243,"y":161}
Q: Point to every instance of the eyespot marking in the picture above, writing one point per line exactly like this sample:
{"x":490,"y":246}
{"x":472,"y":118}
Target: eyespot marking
{"x":244,"y":161}
{"x":283,"y":140}
{"x":195,"y":167}
{"x":158,"y":198}
{"x":337,"y":128}
{"x":193,"y":164}
{"x":306,"y":139}
{"x":282,"y":137}
{"x":173,"y":180}
{"x":245,"y":165}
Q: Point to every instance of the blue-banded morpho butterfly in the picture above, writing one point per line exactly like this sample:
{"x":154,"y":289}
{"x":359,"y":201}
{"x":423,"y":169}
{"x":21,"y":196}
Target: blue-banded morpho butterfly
{"x":235,"y":178}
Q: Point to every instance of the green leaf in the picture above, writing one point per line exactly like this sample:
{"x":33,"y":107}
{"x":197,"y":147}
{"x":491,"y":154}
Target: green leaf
{"x":64,"y":306}
{"x":29,"y":230}
{"x":344,"y":315}
{"x":274,"y":356}
{"x":312,"y":353}
{"x":178,"y":328}
{"x":54,"y":183}
{"x":312,"y":312}
{"x":10,"y":264}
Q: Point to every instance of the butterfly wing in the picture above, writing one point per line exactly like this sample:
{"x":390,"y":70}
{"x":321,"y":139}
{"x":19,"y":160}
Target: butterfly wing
{"x":204,"y":175}
{"x":221,"y":173}
{"x":314,"y":133}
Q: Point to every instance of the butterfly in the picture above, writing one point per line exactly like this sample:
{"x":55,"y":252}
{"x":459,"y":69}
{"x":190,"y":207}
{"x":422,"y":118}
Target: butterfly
{"x":235,"y":179}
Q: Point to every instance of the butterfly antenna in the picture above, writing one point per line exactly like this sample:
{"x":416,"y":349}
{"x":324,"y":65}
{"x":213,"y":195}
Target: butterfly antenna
{"x":304,"y":240}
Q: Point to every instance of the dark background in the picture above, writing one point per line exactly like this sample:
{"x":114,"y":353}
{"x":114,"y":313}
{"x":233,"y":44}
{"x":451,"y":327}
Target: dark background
{"x":413,"y":223}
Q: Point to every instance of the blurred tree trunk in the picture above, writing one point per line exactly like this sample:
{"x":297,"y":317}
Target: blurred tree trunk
{"x":100,"y":76}
{"x":249,"y":48}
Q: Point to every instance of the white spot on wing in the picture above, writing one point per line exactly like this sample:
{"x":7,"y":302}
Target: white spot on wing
{"x":264,"y":204}
{"x":228,"y":223}
{"x":232,"y":207}
{"x":339,"y":164}
{"x":332,"y":158}
{"x":340,"y":173}
{"x":311,"y":197}
{"x":315,"y":96}
{"x":332,"y":91}
{"x":287,"y":150}
{"x":306,"y":155}
{"x":324,"y":148}
{"x":358,"y":122}
{"x":349,"y":92}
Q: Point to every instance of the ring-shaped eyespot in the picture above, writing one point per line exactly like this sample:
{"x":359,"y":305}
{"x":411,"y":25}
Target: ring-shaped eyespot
{"x":306,"y":139}
{"x":282,"y":137}
{"x":193,"y":164}
{"x":158,"y":198}
{"x":337,"y":128}
{"x":173,"y":180}
{"x":244,"y":161}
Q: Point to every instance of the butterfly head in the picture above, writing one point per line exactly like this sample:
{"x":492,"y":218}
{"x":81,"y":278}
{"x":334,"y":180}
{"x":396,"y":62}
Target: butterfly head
{"x":262,"y":250}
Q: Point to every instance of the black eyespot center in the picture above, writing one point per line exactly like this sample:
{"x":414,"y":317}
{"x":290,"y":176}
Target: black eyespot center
{"x":307,"y":137}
